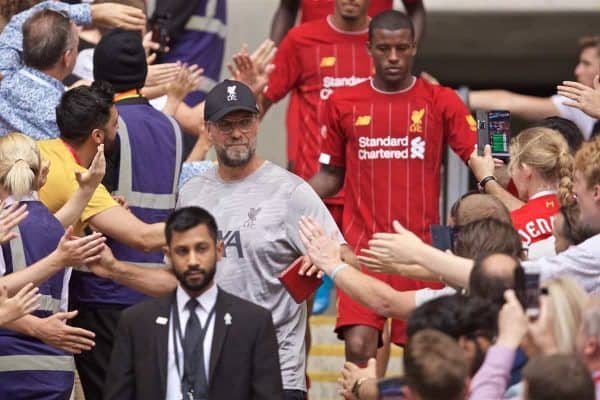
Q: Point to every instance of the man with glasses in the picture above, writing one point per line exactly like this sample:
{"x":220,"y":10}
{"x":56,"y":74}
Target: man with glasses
{"x":38,"y":49}
{"x":257,"y":206}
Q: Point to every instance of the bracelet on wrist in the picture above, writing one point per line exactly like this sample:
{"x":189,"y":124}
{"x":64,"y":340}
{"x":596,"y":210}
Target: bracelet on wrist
{"x":337,"y":269}
{"x":356,"y":387}
{"x":485,"y":181}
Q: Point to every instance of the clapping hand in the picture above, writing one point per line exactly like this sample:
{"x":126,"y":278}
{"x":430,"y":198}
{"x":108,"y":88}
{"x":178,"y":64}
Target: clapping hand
{"x":91,"y":178}
{"x":187,"y":80}
{"x":9,"y":218}
{"x":22,"y":303}
{"x":76,"y":251}
{"x":253,"y":69}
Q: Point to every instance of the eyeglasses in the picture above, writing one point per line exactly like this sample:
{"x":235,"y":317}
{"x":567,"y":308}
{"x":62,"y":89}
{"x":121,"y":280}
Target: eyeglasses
{"x":227,"y":126}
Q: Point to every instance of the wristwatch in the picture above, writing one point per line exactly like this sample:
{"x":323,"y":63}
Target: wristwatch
{"x":357,"y":385}
{"x":485,"y":181}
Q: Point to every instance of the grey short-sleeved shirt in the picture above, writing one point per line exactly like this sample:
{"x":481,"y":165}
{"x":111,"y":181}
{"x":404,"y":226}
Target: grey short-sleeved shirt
{"x":258,"y":222}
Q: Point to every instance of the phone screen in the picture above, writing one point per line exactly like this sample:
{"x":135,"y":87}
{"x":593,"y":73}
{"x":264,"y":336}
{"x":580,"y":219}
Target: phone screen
{"x":441,"y":237}
{"x":499,"y":132}
{"x":532,"y":294}
{"x":390,"y":389}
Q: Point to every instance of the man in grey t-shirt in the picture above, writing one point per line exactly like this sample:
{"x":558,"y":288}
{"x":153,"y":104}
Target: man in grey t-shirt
{"x":257,"y":206}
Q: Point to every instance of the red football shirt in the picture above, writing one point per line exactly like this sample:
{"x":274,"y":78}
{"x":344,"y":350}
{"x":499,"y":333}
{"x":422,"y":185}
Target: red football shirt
{"x":312,"y":10}
{"x":535,"y":219}
{"x":314,"y":59}
{"x":391,"y":145}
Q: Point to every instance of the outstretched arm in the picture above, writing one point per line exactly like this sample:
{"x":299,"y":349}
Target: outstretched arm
{"x":324,"y":252}
{"x":150,"y":281}
{"x":528,"y":107}
{"x":71,"y":250}
{"x":121,"y":225}
{"x":405,"y":247}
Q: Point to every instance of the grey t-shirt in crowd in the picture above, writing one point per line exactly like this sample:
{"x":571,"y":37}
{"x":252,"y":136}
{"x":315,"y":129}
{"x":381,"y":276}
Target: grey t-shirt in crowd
{"x":257,"y":219}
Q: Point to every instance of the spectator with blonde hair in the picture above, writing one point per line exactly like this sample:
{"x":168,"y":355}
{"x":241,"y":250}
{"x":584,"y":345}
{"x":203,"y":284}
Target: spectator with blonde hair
{"x":541,"y":167}
{"x":42,"y":371}
{"x":564,"y":305}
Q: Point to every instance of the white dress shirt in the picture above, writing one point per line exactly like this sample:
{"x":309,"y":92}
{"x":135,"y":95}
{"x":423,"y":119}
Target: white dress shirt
{"x":206,"y":302}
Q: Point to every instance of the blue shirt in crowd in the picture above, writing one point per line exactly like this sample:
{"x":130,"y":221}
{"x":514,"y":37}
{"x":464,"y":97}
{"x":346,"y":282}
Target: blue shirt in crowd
{"x":28,"y":97}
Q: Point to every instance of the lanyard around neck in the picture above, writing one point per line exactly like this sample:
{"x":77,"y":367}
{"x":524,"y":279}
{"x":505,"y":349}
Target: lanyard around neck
{"x":178,"y":337}
{"x":130,"y":94}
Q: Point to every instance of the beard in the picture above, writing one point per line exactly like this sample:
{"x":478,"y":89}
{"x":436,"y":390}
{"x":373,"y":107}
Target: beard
{"x":196,"y":285}
{"x":235,"y":157}
{"x":110,"y":145}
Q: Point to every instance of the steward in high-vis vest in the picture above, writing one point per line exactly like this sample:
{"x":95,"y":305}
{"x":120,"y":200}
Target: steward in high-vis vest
{"x":29,"y":368}
{"x":197,"y":31}
{"x":145,"y":172}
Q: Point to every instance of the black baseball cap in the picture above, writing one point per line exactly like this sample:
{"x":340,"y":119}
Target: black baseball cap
{"x":226,"y":97}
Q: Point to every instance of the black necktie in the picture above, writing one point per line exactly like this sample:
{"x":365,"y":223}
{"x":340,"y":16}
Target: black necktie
{"x":194,"y":378}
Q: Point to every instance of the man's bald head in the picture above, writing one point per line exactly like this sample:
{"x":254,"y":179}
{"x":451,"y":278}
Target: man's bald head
{"x":473,"y":207}
{"x":492,"y":275}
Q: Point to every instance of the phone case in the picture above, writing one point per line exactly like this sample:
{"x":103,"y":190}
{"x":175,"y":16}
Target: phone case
{"x":300,"y":287}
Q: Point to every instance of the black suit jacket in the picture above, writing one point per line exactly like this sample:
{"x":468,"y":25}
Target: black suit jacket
{"x":244,"y":360}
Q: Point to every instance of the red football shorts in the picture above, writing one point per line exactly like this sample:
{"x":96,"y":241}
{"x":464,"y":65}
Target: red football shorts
{"x":350,"y":312}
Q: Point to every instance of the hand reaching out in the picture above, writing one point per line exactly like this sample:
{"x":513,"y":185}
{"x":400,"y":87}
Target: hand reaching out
{"x":583,"y":97}
{"x":253,"y":70}
{"x":351,"y":373}
{"x":395,"y":248}
{"x":162,"y":74}
{"x":22,"y":303}
{"x":187,"y":80}
{"x":9,"y":218}
{"x":114,"y":15}
{"x":323,"y":251}
{"x":54,"y":331}
{"x":76,"y":251}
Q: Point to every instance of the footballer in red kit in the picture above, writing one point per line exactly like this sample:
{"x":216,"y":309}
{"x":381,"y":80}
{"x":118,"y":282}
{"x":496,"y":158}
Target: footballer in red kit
{"x":385,"y":138}
{"x":312,"y":10}
{"x":313,"y":60}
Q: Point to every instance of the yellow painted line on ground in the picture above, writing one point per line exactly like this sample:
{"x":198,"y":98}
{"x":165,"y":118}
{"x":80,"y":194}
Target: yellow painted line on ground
{"x":322,"y":320}
{"x":337,"y":350}
{"x":330,"y":377}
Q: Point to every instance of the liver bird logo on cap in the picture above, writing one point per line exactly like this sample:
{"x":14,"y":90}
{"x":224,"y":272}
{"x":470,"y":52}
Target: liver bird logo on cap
{"x":231,"y":93}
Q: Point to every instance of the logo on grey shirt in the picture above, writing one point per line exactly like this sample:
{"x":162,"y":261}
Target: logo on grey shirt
{"x":252,"y":213}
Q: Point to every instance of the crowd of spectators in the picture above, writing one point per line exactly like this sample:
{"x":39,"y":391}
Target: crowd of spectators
{"x":134,"y":268}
